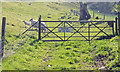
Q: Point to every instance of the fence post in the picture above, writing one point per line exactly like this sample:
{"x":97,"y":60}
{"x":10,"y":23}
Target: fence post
{"x":112,"y":23}
{"x":104,"y":17}
{"x":116,"y":26}
{"x":119,"y":29}
{"x":2,"y":37}
{"x":119,"y":21}
{"x":93,"y":13}
{"x":89,"y":33}
{"x":39,"y":34}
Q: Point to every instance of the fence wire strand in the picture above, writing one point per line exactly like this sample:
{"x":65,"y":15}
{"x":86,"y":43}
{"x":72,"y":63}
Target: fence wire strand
{"x":17,"y":42}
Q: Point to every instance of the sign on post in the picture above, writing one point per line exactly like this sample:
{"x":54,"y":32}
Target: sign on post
{"x":62,"y":29}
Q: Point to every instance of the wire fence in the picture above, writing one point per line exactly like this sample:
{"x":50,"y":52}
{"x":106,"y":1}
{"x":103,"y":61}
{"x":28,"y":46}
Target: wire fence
{"x":21,"y":39}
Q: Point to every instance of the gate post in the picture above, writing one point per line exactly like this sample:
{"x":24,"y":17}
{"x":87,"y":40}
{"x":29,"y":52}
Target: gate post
{"x":116,"y":26}
{"x":2,"y":37}
{"x":39,"y":34}
{"x":89,"y":33}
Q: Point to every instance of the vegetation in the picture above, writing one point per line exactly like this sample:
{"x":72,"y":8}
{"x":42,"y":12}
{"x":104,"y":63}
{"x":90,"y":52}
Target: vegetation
{"x":64,"y":55}
{"x":27,"y":53}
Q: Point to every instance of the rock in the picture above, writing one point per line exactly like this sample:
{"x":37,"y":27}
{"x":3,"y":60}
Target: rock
{"x":45,"y":59}
{"x":48,"y":17}
{"x":56,"y":8}
{"x":97,"y":17}
{"x":13,"y":25}
{"x":30,"y":3}
{"x":49,"y":14}
{"x":49,"y":65}
{"x":7,"y":23}
{"x":102,"y":68}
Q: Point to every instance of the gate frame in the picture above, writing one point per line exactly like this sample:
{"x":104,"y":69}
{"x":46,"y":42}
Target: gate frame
{"x":76,"y":31}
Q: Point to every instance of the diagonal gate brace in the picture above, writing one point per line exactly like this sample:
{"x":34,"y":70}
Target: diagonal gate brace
{"x":101,"y":30}
{"x":51,"y":31}
{"x":77,"y":31}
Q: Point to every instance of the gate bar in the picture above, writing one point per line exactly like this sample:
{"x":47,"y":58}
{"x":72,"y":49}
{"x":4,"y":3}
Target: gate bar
{"x":89,"y":33}
{"x":39,"y":34}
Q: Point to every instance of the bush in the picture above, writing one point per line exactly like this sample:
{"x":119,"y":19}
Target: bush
{"x":102,"y":54}
{"x":76,"y":60}
{"x":75,"y":50}
{"x":71,"y":62}
{"x":68,"y":47}
{"x":62,"y":56}
{"x":111,"y":58}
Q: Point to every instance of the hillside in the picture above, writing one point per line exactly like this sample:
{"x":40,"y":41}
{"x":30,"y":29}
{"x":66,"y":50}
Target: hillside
{"x":27,"y":53}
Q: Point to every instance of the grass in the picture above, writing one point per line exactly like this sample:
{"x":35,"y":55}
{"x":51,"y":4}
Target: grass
{"x":27,"y":53}
{"x":61,"y":55}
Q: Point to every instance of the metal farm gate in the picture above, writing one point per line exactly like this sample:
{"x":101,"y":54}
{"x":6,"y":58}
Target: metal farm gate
{"x":76,"y":30}
{"x":70,"y":30}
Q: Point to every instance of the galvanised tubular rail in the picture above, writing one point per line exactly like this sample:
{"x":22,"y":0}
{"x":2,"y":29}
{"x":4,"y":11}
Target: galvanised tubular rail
{"x":78,"y":21}
{"x":78,"y":27}
{"x":72,"y":36}
{"x":79,"y":31}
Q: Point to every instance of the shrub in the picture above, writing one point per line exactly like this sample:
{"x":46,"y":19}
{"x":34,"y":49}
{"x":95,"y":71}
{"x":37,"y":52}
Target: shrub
{"x":102,"y":54}
{"x":75,"y":50}
{"x":111,"y":58}
{"x":68,"y":47}
{"x":67,"y":54}
{"x":71,"y":62}
{"x":73,"y":67}
{"x":76,"y":60}
{"x":62,"y":56}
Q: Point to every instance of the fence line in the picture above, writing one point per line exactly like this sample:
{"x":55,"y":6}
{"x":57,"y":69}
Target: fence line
{"x":16,"y":45}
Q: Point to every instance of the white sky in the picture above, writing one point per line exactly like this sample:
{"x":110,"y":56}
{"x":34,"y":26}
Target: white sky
{"x":60,"y":0}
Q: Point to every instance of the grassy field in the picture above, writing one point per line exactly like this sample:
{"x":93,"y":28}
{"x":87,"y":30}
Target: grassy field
{"x":27,"y":53}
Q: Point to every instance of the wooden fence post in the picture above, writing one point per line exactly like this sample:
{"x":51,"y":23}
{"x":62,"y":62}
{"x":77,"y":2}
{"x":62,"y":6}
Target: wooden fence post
{"x":93,"y":13}
{"x":2,"y":37}
{"x":112,"y":23}
{"x":116,"y":26}
{"x":104,"y":17}
{"x":39,"y":34}
{"x":119,"y":30}
{"x":119,"y":21}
